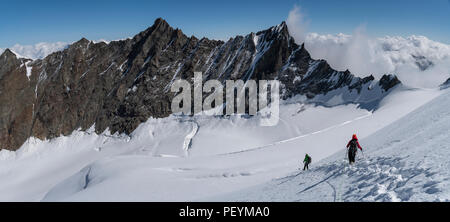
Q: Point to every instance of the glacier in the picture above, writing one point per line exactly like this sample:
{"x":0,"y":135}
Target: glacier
{"x":233,"y":158}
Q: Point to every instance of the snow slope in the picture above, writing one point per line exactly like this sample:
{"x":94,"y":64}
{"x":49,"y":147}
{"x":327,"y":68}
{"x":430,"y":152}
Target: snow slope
{"x":189,"y":159}
{"x":405,"y":161}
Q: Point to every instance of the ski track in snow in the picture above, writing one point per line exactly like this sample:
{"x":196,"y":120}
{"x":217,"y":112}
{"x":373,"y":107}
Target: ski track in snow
{"x":297,"y":137}
{"x":406,"y":161}
{"x":334,"y":190}
{"x":106,"y":172}
{"x":371,"y":179}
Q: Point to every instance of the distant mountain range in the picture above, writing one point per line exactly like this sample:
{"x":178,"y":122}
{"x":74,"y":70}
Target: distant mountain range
{"x":120,"y":84}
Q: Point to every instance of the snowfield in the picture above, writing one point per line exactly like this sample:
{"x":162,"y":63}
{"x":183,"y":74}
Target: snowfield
{"x":405,"y":161}
{"x":210,"y":158}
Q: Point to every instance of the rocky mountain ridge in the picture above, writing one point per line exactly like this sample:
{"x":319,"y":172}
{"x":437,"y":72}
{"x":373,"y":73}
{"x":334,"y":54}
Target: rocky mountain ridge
{"x":121,"y":84}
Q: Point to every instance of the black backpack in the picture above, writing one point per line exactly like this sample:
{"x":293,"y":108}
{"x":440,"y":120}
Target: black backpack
{"x":353,"y":146}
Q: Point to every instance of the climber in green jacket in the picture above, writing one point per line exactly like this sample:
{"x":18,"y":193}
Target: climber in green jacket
{"x":307,"y":161}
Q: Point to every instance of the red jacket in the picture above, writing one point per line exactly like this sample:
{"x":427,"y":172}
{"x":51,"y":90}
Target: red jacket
{"x":357,"y":143}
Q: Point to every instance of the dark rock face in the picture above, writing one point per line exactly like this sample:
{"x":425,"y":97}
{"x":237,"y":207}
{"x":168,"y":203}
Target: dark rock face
{"x":388,"y":81}
{"x":446,"y":84}
{"x":16,"y":101}
{"x":119,"y":85}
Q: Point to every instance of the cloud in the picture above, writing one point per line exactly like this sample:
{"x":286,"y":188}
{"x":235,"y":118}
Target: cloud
{"x":37,"y":51}
{"x":296,"y":24}
{"x":416,"y":60}
{"x":43,"y":49}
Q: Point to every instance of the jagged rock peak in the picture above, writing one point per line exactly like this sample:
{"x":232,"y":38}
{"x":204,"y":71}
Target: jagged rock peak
{"x":8,"y":53}
{"x":280,"y":30}
{"x":119,"y":85}
{"x":302,"y":52}
{"x":160,"y":21}
{"x":160,"y":25}
{"x":388,"y":81}
{"x":81,"y":43}
{"x":83,"y":40}
{"x":284,"y":30}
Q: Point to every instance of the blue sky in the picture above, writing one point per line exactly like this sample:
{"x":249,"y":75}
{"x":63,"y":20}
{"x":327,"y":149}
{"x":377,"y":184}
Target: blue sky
{"x":29,"y":22}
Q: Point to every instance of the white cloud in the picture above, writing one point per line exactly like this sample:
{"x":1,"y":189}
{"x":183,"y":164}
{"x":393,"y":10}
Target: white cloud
{"x":296,"y":24}
{"x":37,"y":51}
{"x":43,"y":49}
{"x":416,"y":60}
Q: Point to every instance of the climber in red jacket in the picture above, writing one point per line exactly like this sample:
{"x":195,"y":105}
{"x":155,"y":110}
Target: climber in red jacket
{"x":352,"y":147}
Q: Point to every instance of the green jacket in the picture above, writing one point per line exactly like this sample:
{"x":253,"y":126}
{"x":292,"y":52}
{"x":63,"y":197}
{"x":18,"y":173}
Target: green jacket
{"x":307,"y":159}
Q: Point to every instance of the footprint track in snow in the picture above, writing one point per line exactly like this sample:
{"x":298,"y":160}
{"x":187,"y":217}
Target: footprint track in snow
{"x":373,"y":179}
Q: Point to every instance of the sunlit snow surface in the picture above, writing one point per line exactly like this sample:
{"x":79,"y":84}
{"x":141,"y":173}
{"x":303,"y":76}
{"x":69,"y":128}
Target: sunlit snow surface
{"x":405,"y":161}
{"x":210,"y":158}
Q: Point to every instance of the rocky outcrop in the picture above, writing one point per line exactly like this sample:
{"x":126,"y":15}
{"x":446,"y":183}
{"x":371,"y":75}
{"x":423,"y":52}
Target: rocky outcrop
{"x":121,"y":84}
{"x":388,"y":81}
{"x":16,"y":101}
{"x":446,"y":84}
